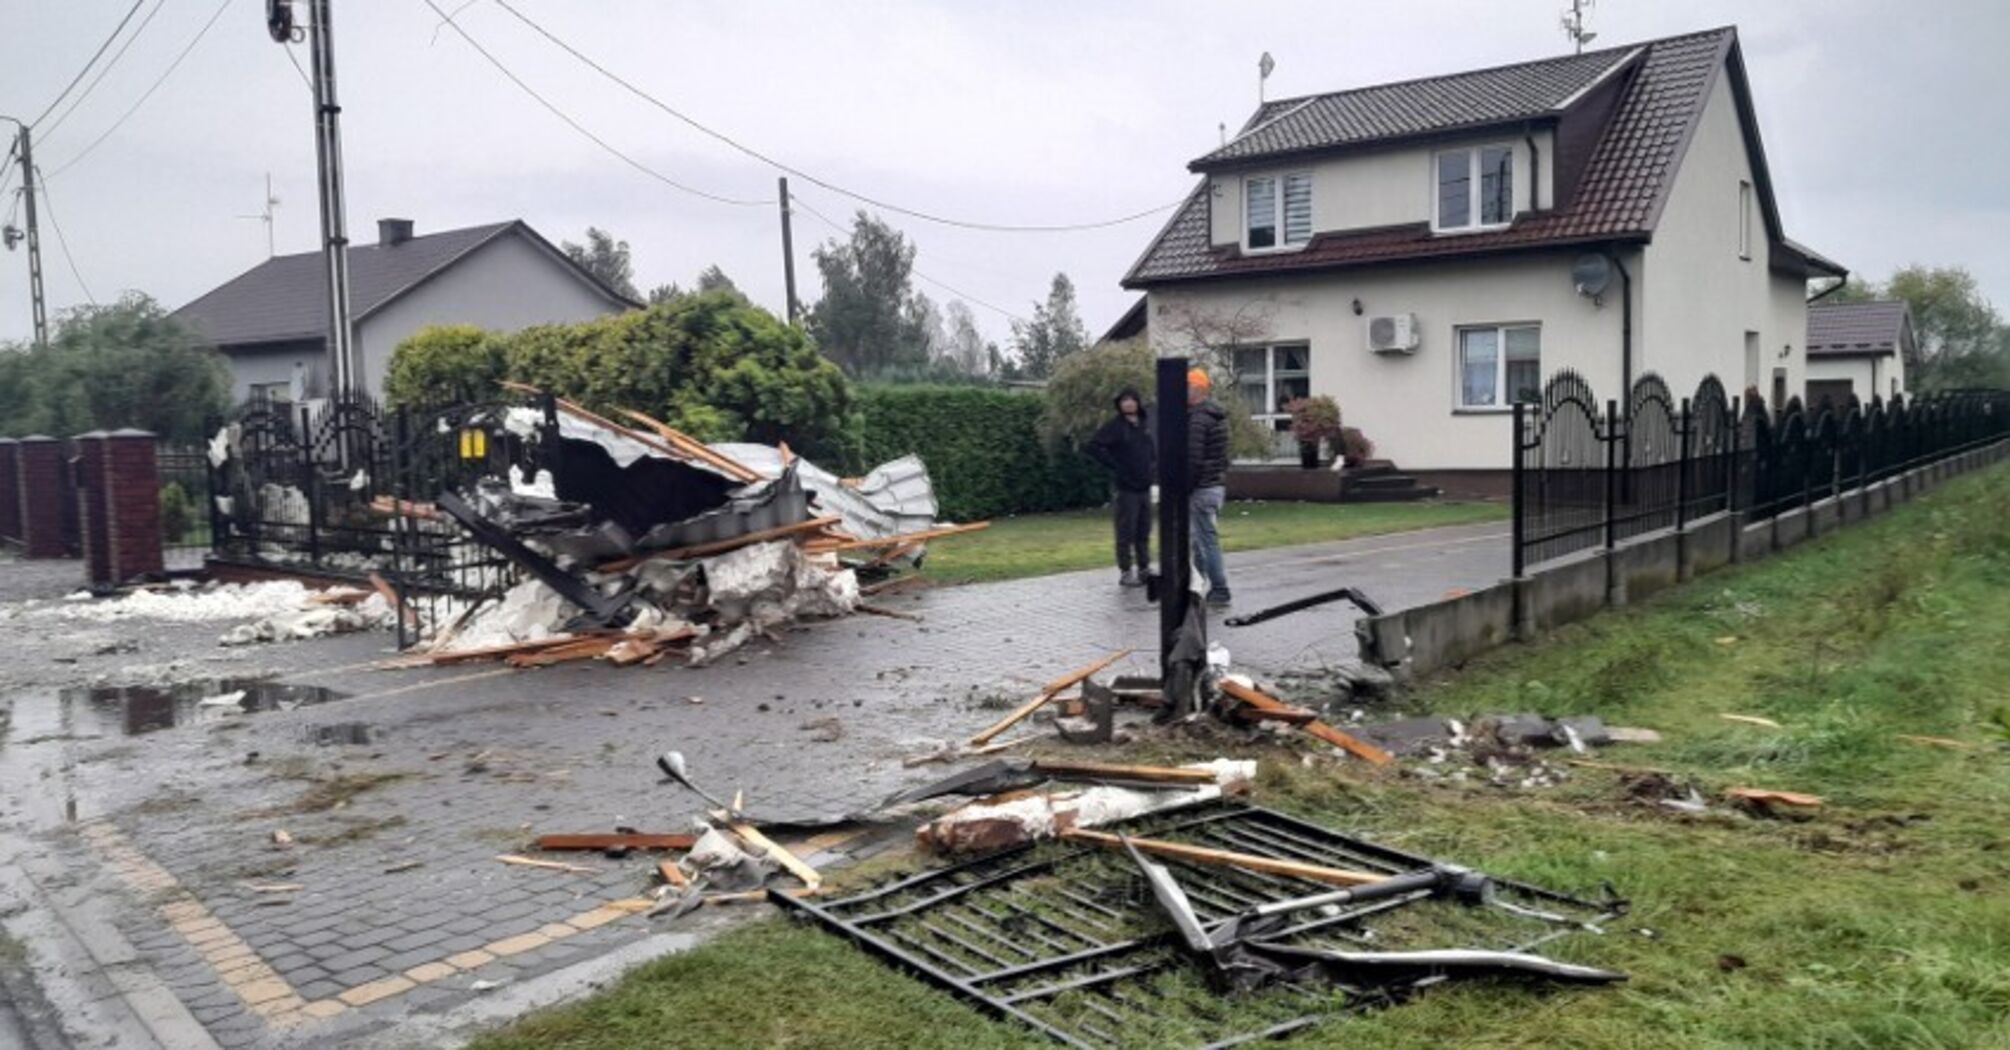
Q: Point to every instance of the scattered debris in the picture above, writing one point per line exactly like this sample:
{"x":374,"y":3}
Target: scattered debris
{"x":1763,"y":797}
{"x":1047,"y":693}
{"x":1266,"y":705}
{"x":274,"y":887}
{"x":1754,"y":720}
{"x":550,"y":865}
{"x":407,"y":865}
{"x":982,"y":826}
{"x":281,"y":838}
{"x":620,"y":840}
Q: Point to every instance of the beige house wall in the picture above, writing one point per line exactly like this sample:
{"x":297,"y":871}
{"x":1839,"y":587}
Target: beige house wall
{"x":1382,"y":188}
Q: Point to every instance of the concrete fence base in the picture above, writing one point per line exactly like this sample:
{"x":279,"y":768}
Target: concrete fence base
{"x":1447,"y":633}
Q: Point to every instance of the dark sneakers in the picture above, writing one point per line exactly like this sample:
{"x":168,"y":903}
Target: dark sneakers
{"x":1131,"y":578}
{"x":1218,"y":598}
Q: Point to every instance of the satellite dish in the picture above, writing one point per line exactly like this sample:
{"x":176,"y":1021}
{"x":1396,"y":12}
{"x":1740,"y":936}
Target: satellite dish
{"x":1591,"y":274}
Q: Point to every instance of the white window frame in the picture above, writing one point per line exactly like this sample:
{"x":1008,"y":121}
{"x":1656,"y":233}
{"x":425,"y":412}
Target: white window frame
{"x":1277,"y":180}
{"x":1745,"y":219}
{"x":1267,"y":413}
{"x":1502,"y":403}
{"x":1473,"y":208}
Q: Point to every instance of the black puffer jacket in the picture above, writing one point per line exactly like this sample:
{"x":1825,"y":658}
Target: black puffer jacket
{"x":1125,"y":448}
{"x":1207,"y":444}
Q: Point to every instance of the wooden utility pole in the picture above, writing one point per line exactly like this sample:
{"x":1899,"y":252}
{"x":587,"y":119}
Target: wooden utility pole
{"x":788,"y":253}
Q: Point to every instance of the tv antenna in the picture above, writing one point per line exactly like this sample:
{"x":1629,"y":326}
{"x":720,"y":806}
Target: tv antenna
{"x":265,"y":215}
{"x":1573,"y":24}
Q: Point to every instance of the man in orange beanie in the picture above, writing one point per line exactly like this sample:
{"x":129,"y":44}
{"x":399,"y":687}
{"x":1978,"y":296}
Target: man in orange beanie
{"x":1207,"y":474}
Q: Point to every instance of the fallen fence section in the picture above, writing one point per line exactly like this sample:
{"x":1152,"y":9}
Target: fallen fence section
{"x":1600,"y":523}
{"x":1064,"y":937}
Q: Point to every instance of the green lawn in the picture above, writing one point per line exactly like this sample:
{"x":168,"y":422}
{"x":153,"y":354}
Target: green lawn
{"x":1038,"y":544}
{"x":1883,"y":921}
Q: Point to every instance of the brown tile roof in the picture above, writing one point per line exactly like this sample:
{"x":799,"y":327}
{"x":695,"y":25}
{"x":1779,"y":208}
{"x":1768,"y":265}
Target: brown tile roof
{"x":1415,"y":107}
{"x":1619,"y":196}
{"x":1847,"y":329}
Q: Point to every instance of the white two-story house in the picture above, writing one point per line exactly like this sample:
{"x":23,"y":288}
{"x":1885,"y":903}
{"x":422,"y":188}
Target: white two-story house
{"x":1428,"y":252}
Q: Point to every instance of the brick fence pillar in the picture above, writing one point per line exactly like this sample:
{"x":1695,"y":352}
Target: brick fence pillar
{"x":10,"y":490}
{"x":119,"y":483}
{"x":41,"y":496}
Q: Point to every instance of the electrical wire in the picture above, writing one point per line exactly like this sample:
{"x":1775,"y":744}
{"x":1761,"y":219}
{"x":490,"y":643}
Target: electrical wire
{"x":95,"y":55}
{"x":796,"y":201}
{"x":49,"y":208}
{"x":295,"y":59}
{"x":575,"y":125}
{"x":102,"y":70}
{"x":147,"y":94}
{"x":883,"y":205}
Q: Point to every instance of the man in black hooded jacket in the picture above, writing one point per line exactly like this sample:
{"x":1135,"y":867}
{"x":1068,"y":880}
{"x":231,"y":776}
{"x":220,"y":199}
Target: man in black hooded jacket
{"x":1124,"y":446}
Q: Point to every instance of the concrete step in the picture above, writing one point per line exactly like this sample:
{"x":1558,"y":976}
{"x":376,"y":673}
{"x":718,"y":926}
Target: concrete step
{"x":1379,"y":481}
{"x":1402,"y":495}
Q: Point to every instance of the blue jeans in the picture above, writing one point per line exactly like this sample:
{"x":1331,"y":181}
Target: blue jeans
{"x":1205,"y":507}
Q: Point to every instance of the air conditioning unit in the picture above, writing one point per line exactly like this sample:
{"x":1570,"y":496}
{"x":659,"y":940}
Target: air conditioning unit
{"x":1394,"y":334}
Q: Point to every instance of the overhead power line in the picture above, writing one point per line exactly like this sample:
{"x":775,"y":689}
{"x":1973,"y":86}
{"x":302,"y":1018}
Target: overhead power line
{"x":102,"y":70}
{"x":951,"y":289}
{"x":913,"y":213}
{"x":64,"y":243}
{"x":552,"y":108}
{"x":95,"y":55}
{"x":147,"y":94}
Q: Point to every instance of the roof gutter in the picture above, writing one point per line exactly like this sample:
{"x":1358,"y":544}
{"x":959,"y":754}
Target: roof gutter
{"x":1830,"y":290}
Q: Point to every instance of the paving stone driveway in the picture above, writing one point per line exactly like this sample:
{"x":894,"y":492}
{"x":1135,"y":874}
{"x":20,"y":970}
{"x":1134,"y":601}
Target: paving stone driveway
{"x":399,"y":797}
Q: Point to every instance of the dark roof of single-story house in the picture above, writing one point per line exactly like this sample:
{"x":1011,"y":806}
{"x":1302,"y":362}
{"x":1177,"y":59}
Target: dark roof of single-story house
{"x":1874,"y":328}
{"x":285,"y":298}
{"x":1637,"y":106}
{"x":1132,"y":323}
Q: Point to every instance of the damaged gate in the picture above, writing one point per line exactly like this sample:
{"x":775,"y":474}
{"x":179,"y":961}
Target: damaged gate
{"x":1066,"y":939}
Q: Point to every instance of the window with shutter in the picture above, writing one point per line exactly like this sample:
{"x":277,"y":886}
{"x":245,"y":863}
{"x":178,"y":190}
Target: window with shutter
{"x":1297,"y":209}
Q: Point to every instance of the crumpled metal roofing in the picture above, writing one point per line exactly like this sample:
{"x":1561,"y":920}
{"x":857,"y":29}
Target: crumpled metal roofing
{"x":893,"y":498}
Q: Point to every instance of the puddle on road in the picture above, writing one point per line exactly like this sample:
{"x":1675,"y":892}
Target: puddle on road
{"x":134,"y":710}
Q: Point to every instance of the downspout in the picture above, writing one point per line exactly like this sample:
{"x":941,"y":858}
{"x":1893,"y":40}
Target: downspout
{"x":1625,"y":329}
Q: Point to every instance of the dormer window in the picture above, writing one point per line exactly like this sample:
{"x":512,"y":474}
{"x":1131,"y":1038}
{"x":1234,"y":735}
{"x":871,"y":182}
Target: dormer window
{"x":1475,"y":188}
{"x":1278,"y":211}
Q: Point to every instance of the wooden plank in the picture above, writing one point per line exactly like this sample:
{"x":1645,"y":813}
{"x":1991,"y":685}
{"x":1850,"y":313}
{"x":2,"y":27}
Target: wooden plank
{"x":548,"y":865}
{"x":1047,"y":693}
{"x":1293,"y":716}
{"x":491,"y":652}
{"x":889,"y":584}
{"x":718,"y":546}
{"x":1752,"y":720}
{"x":617,"y":840}
{"x":902,"y":538}
{"x":788,"y":860}
{"x":384,"y":591}
{"x":583,"y":649}
{"x":672,"y":875}
{"x":1351,"y":744}
{"x":1153,"y":774}
{"x":1226,"y":858}
{"x":1769,"y":795}
{"x":1937,"y":741}
{"x":692,"y":448}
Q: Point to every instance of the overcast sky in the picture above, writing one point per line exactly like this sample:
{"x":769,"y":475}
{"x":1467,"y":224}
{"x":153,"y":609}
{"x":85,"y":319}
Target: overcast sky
{"x":1884,"y":123}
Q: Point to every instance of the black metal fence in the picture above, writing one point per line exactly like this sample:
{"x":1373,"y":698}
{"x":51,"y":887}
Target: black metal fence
{"x":344,"y":487}
{"x":188,"y":514}
{"x":1588,"y":476}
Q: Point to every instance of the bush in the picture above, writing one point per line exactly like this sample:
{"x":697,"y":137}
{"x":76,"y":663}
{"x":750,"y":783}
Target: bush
{"x":711,"y":364}
{"x":1081,"y":396}
{"x":443,"y":364}
{"x":123,"y":364}
{"x":177,"y":512}
{"x":984,"y":449}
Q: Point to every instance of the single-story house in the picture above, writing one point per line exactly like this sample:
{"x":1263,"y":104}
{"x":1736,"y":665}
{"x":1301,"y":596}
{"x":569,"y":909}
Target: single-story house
{"x":1428,"y":252}
{"x":271,"y":322}
{"x":1858,"y":349}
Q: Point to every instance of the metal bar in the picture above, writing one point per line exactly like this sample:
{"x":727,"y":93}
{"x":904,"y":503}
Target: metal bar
{"x":1175,"y":552}
{"x":1520,"y":508}
{"x":1612,"y":427}
{"x":1684,"y":424}
{"x":1048,"y":991}
{"x":961,"y":943}
{"x":1062,"y":962}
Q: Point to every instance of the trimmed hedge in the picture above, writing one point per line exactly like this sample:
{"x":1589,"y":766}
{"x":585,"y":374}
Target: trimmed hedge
{"x":983,"y":448}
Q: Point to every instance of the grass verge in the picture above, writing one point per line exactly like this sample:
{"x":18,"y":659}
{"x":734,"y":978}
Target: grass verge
{"x":1882,"y":921}
{"x":1040,"y":544}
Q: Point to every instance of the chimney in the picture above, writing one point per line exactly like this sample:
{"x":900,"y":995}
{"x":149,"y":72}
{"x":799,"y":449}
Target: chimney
{"x":393,"y":232}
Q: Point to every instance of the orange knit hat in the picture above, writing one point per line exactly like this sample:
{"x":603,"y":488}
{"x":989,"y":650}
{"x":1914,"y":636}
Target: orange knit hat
{"x":1196,"y":378}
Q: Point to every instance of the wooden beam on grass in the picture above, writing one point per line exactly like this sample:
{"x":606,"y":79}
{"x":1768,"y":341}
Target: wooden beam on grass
{"x":904,"y":538}
{"x":1047,"y":692}
{"x":1262,"y":701}
{"x":1230,"y":859}
{"x":1769,"y":796}
{"x":809,"y":876}
{"x":1098,"y":770}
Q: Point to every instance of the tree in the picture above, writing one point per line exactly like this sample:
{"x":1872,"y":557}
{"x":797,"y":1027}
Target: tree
{"x":1081,"y":393}
{"x":868,"y":320}
{"x":1055,"y":331}
{"x":445,"y":364}
{"x":713,"y":279}
{"x":605,"y":258}
{"x":964,"y":345}
{"x":1961,"y":340}
{"x":123,"y":364}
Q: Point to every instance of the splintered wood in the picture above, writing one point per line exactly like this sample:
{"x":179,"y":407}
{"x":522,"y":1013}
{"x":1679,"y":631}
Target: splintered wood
{"x":1271,"y":706}
{"x":1047,"y":693}
{"x":1227,"y":858}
